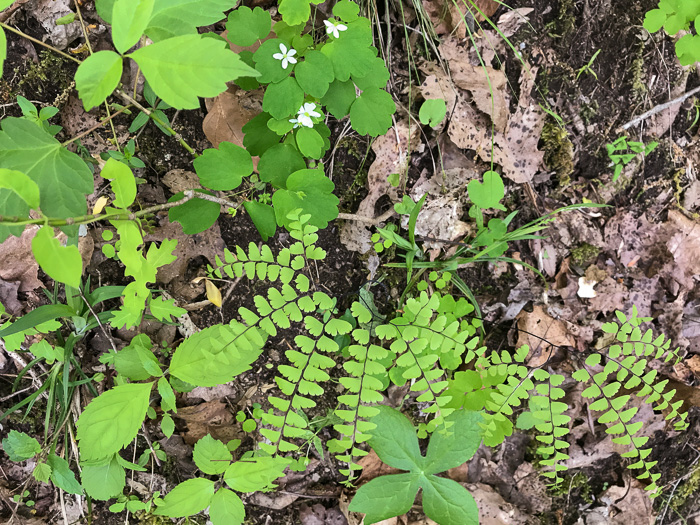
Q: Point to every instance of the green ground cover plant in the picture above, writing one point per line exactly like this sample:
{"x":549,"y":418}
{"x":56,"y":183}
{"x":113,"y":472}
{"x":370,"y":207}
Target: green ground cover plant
{"x":433,"y":343}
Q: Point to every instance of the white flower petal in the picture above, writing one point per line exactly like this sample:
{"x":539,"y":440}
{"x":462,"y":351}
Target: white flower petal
{"x":284,"y":63}
{"x":328,"y":23}
{"x":283,"y":48}
{"x":335,"y":32}
{"x":314,"y":114}
{"x":291,"y":52}
{"x":305,"y":121}
{"x":278,"y":56}
{"x":341,"y":27}
{"x":292,"y":60}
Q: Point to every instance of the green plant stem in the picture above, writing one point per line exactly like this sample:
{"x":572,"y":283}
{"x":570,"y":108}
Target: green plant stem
{"x":44,"y":44}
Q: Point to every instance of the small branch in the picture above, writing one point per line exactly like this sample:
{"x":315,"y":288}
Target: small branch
{"x":102,"y":327}
{"x":47,"y":46}
{"x":369,"y":220}
{"x":659,"y":108}
{"x":96,"y":126}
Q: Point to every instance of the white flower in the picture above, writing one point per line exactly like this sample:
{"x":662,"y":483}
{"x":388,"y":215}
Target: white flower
{"x":286,"y":56}
{"x":306,"y":112}
{"x":333,"y":27}
{"x":295,"y":122}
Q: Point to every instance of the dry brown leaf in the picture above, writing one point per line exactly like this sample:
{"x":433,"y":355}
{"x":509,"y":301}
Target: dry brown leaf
{"x":228,"y":113}
{"x":178,"y":180}
{"x":684,"y":243}
{"x":17,"y":261}
{"x":629,"y":505}
{"x":542,"y":334}
{"x":8,"y":296}
{"x":211,"y":417}
{"x":449,"y":17}
{"x":373,"y":467}
{"x":493,"y":509}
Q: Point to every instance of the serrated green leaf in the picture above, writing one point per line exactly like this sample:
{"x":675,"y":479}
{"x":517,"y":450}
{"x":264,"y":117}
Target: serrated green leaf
{"x":97,"y":77}
{"x":167,"y":425}
{"x":211,"y":456}
{"x":246,"y":26}
{"x":487,"y":194}
{"x":315,"y":73}
{"x":130,"y":18}
{"x":455,"y":446}
{"x":385,"y":497}
{"x":278,"y":163}
{"x":62,"y":263}
{"x":187,"y":498}
{"x":42,"y":472}
{"x":171,"y":18}
{"x":163,"y":309}
{"x":255,"y":474}
{"x":167,"y":395}
{"x":123,"y":182}
{"x":226,"y":508}
{"x":351,"y":54}
{"x":104,"y":481}
{"x":377,"y":75}
{"x":21,"y":185}
{"x":448,"y":503}
{"x":112,"y":420}
{"x":371,"y":113}
{"x":654,"y":20}
{"x":311,"y":191}
{"x":19,"y":446}
{"x":223,"y":169}
{"x":62,"y":476}
{"x":183,"y":68}
{"x":296,"y":12}
{"x":263,"y":216}
{"x":195,"y":215}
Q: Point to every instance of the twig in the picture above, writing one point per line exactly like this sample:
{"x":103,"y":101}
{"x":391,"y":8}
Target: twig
{"x":104,"y":330}
{"x":369,"y":220}
{"x":47,"y":46}
{"x":96,"y":126}
{"x":659,"y":108}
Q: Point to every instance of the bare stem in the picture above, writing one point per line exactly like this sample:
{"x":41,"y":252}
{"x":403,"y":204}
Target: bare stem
{"x":48,"y":46}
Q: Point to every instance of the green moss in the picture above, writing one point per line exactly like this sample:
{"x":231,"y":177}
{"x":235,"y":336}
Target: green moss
{"x":584,"y":254}
{"x":577,"y":482}
{"x":50,"y":74}
{"x":589,"y":111}
{"x":565,"y":22}
{"x":686,"y":489}
{"x":558,"y":151}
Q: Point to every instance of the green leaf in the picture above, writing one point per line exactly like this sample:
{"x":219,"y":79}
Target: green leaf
{"x":263,"y":216}
{"x":296,"y":12}
{"x":211,"y":456}
{"x":432,"y":112}
{"x":123,"y":182}
{"x":246,"y":26}
{"x":223,"y":169}
{"x":278,"y":163}
{"x":137,"y":361}
{"x":311,"y":191}
{"x":19,"y":183}
{"x":339,"y":98}
{"x":97,"y":77}
{"x":448,"y":503}
{"x":310,"y":143}
{"x":112,"y":420}
{"x":377,"y":75}
{"x":19,"y":446}
{"x":187,"y":498}
{"x":62,"y":476}
{"x":315,"y":73}
{"x":130,"y":18}
{"x":351,"y":54}
{"x":270,"y":68}
{"x":63,"y":177}
{"x":226,"y":508}
{"x":201,"y":68}
{"x":258,"y":137}
{"x":163,"y":309}
{"x":62,"y":263}
{"x":455,"y":446}
{"x":346,"y":10}
{"x":171,"y":18}
{"x":283,"y":99}
{"x":104,"y":481}
{"x":195,"y":215}
{"x":487,"y":194}
{"x":255,"y":474}
{"x":385,"y":497}
{"x":371,"y":113}
{"x":394,"y":440}
{"x":167,"y":396}
{"x":12,"y":206}
{"x":42,"y":314}
{"x":104,"y":9}
{"x":42,"y":472}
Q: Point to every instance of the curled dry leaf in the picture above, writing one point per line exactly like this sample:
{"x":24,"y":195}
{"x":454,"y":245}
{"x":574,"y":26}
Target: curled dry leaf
{"x":17,"y":261}
{"x":542,"y":334}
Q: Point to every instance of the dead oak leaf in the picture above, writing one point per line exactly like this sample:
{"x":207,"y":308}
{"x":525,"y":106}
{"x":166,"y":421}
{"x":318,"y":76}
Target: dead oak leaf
{"x":542,"y":334}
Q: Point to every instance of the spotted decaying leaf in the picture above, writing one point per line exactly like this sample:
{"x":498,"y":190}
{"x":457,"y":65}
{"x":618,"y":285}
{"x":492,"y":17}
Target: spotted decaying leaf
{"x":449,"y":17}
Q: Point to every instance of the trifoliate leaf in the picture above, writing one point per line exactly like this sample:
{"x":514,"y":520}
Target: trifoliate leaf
{"x":346,"y":10}
{"x":371,"y":113}
{"x":311,"y":191}
{"x":172,"y":18}
{"x":432,"y":111}
{"x":255,"y":474}
{"x":19,"y":446}
{"x":246,"y":26}
{"x":130,"y":18}
{"x":385,"y":497}
{"x":314,"y":74}
{"x":263,"y":216}
{"x":487,"y":194}
{"x":202,"y":68}
{"x":211,"y":456}
{"x":112,"y":420}
{"x":62,"y":476}
{"x":351,"y":54}
{"x":447,"y":502}
{"x":62,"y":263}
{"x":377,"y":76}
{"x":310,"y":143}
{"x":21,"y":185}
{"x":278,"y":163}
{"x":258,"y":137}
{"x":339,"y":98}
{"x":123,"y":182}
{"x":395,"y":441}
{"x":283,"y":99}
{"x":287,"y":32}
{"x":223,"y":169}
{"x":187,"y":498}
{"x":226,"y":508}
{"x":269,"y":67}
{"x":97,"y":77}
{"x":104,"y":481}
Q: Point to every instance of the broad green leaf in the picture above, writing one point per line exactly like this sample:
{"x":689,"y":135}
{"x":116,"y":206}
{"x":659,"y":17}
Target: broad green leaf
{"x":654,"y":20}
{"x":63,"y":177}
{"x":217,"y":354}
{"x":130,"y":18}
{"x":258,"y":137}
{"x":24,"y":187}
{"x":487,"y":194}
{"x":311,"y":191}
{"x":12,"y":206}
{"x":310,"y":143}
{"x":3,"y":49}
{"x":351,"y":54}
{"x":42,"y":472}
{"x":187,"y":498}
{"x":453,"y":447}
{"x":131,"y":361}
{"x":211,"y":456}
{"x":19,"y":446}
{"x":296,"y":12}
{"x":62,"y":476}
{"x":432,"y":112}
{"x":104,"y":9}
{"x":195,"y":215}
{"x":97,"y":77}
{"x":278,"y":163}
{"x":385,"y":497}
{"x":448,"y":503}
{"x":263,"y":216}
{"x":103,"y":481}
{"x":346,"y":10}
{"x":223,"y":168}
{"x":283,"y":99}
{"x":377,"y":75}
{"x":122,"y":180}
{"x":226,"y":508}
{"x":183,"y":68}
{"x":270,"y":68}
{"x":339,"y":98}
{"x":171,"y":18}
{"x":315,"y":73}
{"x":62,"y":263}
{"x":371,"y":113}
{"x":255,"y":474}
{"x":246,"y":26}
{"x":112,"y":420}
{"x":167,"y":425}
{"x":394,"y":440}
